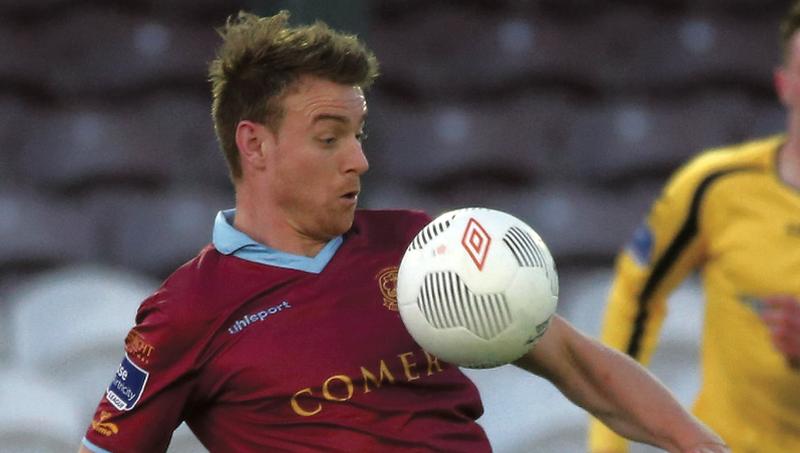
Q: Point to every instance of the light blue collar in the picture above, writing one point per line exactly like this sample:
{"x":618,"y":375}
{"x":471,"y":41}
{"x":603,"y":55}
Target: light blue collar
{"x":230,"y":241}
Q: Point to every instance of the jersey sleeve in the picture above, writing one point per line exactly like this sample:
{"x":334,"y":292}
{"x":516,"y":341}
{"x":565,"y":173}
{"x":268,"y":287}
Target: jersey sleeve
{"x":666,"y":247}
{"x":151,"y":389}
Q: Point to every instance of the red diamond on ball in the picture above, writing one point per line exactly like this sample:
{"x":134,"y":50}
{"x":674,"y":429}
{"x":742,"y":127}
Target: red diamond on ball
{"x":476,"y":242}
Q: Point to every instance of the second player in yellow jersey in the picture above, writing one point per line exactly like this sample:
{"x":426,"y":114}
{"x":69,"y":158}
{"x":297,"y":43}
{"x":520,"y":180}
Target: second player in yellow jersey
{"x":728,"y":213}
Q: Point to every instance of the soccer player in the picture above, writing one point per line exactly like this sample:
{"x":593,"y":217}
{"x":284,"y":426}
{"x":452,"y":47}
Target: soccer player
{"x":283,"y":334}
{"x":734,"y":214}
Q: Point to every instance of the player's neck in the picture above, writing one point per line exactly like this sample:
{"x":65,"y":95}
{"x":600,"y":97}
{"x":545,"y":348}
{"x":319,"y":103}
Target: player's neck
{"x":272,"y":229}
{"x":789,"y":158}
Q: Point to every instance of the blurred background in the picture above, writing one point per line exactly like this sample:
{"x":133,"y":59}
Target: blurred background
{"x":569,"y":114}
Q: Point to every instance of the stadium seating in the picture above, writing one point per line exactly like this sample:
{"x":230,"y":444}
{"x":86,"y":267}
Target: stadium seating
{"x":72,"y":322}
{"x":12,"y":7}
{"x":501,"y":51}
{"x":33,"y":229}
{"x":111,"y":50}
{"x":155,"y":236}
{"x":181,"y":131}
{"x":520,"y":138}
{"x":147,"y":143}
{"x":679,"y":51}
{"x":590,"y":50}
{"x":92,"y":145}
{"x":13,"y":111}
{"x":643,"y":138}
{"x":768,"y":118}
{"x":25,"y":68}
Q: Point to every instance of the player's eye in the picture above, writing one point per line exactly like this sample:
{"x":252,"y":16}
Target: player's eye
{"x":328,"y":141}
{"x":361,"y":136}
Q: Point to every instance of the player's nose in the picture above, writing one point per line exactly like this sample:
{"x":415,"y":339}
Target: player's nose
{"x":356,"y":160}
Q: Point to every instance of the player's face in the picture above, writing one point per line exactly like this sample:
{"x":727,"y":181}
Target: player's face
{"x":314,"y":175}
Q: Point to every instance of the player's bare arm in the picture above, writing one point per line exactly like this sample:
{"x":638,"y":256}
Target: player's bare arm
{"x":617,"y":390}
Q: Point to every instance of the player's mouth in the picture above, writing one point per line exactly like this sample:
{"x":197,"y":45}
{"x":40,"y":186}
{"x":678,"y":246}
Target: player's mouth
{"x":350,"y":197}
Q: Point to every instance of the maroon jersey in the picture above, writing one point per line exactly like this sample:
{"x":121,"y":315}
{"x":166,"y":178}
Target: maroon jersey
{"x":258,"y":357}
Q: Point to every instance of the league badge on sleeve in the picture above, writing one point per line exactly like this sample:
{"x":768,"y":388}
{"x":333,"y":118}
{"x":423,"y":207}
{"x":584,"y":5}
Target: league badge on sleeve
{"x":127,"y":386}
{"x":641,"y":245}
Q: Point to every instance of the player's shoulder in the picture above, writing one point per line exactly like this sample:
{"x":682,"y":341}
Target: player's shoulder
{"x":751,"y":156}
{"x":183,"y":292}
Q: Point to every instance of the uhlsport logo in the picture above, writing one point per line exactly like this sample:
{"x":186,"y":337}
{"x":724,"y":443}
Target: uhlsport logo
{"x":261,"y":315}
{"x":476,"y":242}
{"x":387,"y":283}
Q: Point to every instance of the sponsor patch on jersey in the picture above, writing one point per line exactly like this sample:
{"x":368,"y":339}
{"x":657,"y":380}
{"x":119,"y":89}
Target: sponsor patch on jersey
{"x":127,"y":386}
{"x":641,"y":245}
{"x":104,"y":427}
{"x":387,"y":283}
{"x":136,"y":346}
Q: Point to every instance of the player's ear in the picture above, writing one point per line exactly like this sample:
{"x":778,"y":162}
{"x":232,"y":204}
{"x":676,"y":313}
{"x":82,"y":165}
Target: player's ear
{"x":254,"y":141}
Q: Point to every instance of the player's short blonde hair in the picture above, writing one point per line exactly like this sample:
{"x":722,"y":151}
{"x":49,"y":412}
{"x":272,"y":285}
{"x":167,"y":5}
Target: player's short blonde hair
{"x":260,"y":57}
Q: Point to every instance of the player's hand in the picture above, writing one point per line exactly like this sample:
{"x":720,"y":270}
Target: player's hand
{"x":708,"y":447}
{"x":782,"y":317}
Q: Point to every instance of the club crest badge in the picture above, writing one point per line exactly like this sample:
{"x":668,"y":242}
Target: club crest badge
{"x":387,"y":283}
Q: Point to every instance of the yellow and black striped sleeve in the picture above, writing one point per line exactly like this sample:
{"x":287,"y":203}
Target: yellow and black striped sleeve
{"x":664,"y":250}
